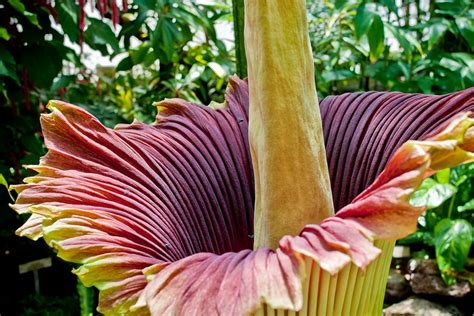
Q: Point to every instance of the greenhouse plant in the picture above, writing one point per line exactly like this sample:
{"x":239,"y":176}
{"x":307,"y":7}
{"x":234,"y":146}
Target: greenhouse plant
{"x":267,"y":203}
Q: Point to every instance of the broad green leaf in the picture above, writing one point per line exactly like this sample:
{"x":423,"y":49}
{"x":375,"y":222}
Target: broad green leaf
{"x":146,"y":4}
{"x":132,"y":27}
{"x":428,"y":238}
{"x":469,"y":206}
{"x":6,"y":56}
{"x":99,"y":33}
{"x":432,"y":194}
{"x":391,"y":5}
{"x":402,"y":40}
{"x":443,"y":176}
{"x":451,"y":63}
{"x":149,"y":59}
{"x":67,"y":17}
{"x":4,"y":33}
{"x":139,"y":54}
{"x":63,"y":82}
{"x":7,"y":64}
{"x":6,"y":70}
{"x":453,"y":239}
{"x":17,"y":5}
{"x":164,"y":37}
{"x":217,"y":69}
{"x":465,"y":58}
{"x":125,"y":64}
{"x":451,"y":7}
{"x":363,"y":20}
{"x":416,"y":237}
{"x":32,"y":18}
{"x":436,"y":31}
{"x":413,"y":41}
{"x":425,"y":84}
{"x":376,"y":37}
{"x":466,"y":27}
{"x":335,"y":75}
{"x":43,"y":63}
{"x":20,"y":7}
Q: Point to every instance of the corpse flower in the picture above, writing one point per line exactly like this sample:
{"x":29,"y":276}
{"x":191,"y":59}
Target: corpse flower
{"x":161,"y":217}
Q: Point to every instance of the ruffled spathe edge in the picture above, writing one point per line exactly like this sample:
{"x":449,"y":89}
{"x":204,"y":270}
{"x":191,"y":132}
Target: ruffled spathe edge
{"x":120,"y":255}
{"x":239,"y":283}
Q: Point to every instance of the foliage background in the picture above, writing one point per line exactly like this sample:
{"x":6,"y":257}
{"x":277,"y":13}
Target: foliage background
{"x":164,"y":49}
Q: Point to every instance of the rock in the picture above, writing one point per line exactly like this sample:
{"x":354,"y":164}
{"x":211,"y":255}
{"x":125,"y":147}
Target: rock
{"x":424,"y":266}
{"x":397,"y":287}
{"x":426,"y":279}
{"x":420,"y":307}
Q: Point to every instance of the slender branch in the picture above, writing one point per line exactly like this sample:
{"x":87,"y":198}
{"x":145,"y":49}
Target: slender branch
{"x":239,"y":22}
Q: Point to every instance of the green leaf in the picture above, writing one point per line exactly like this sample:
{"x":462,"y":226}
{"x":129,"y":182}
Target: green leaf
{"x":43,"y":63}
{"x":125,"y":64}
{"x":20,"y":7}
{"x":391,"y":5}
{"x":436,"y":31}
{"x":139,"y":54}
{"x":363,"y":20}
{"x":67,"y":17}
{"x":6,"y":56}
{"x":99,"y":33}
{"x":4,"y":33}
{"x":466,"y":27}
{"x":32,"y":18}
{"x":413,"y":41}
{"x":4,"y":182}
{"x":432,"y":194}
{"x":149,"y":59}
{"x":411,"y":239}
{"x":7,"y":64}
{"x":63,"y":82}
{"x":217,"y":69}
{"x":339,"y":4}
{"x":336,"y":75}
{"x":453,"y":239}
{"x":376,"y":38}
{"x":428,"y":239}
{"x":405,"y":39}
{"x":7,"y":71}
{"x":443,"y":176}
{"x":451,"y":7}
{"x":146,"y":4}
{"x":469,"y":206}
{"x":17,"y":5}
{"x":163,"y":39}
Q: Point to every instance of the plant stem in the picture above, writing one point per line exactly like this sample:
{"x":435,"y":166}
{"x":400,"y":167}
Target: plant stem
{"x":451,"y":205}
{"x":239,"y":22}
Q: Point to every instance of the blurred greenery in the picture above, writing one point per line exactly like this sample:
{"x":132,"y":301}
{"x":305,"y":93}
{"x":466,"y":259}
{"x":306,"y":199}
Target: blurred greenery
{"x":40,"y":305}
{"x":446,"y":229}
{"x":420,"y":46}
{"x":165,"y":49}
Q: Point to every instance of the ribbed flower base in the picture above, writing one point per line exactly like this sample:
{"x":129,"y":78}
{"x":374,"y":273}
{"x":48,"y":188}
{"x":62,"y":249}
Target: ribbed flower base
{"x":350,"y":292}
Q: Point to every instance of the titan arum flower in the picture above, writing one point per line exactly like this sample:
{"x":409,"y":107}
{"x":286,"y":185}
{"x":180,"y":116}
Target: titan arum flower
{"x":161,"y":217}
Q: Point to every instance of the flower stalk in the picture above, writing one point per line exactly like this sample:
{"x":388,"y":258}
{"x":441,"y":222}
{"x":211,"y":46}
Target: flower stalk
{"x":292,"y":185}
